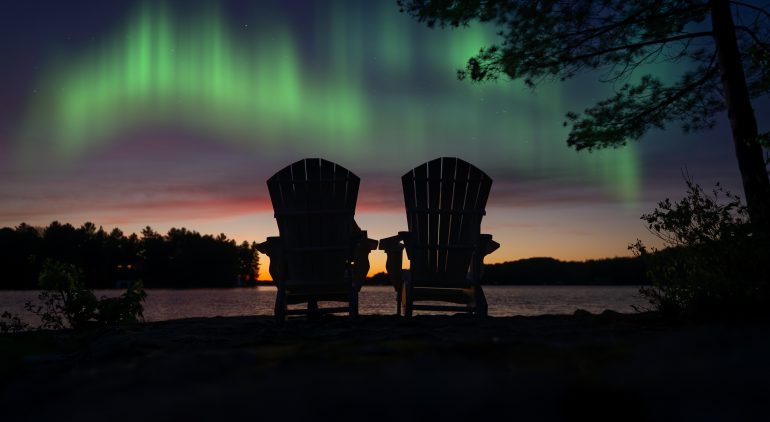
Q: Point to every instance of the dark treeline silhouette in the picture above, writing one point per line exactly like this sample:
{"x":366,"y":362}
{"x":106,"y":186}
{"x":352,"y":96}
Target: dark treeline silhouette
{"x":181,"y":258}
{"x":542,"y":271}
{"x":550,"y":271}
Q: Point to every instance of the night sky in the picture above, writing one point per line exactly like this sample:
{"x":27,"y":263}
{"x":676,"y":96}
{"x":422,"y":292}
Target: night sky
{"x":174,"y":114}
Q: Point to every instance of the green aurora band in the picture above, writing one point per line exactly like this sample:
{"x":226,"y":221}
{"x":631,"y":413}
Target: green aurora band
{"x":369,"y":90}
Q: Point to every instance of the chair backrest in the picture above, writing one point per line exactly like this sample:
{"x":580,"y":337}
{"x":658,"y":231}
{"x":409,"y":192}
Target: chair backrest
{"x":445,"y":200}
{"x":314,"y":202}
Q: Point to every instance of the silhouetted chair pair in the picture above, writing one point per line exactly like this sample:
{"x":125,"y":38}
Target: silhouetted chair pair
{"x":322,"y":255}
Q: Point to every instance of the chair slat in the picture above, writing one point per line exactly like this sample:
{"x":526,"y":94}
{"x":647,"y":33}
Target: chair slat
{"x":448,"y":167}
{"x":471,"y":229}
{"x":289,"y":213}
{"x":299,"y":265}
{"x":327,"y":232}
{"x":340,"y":187}
{"x":352,"y":192}
{"x":484,"y":188}
{"x":420,"y":258}
{"x":434,"y":220}
{"x":445,"y":211}
{"x":339,"y":199}
{"x":458,"y":262}
{"x":316,"y":261}
{"x":286,"y":189}
{"x":325,"y":179}
{"x":410,"y":201}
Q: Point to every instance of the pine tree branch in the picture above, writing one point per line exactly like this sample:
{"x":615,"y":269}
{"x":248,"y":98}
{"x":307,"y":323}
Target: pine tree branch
{"x":631,"y":66}
{"x":658,"y":108}
{"x":594,"y":32}
{"x":597,"y":131}
{"x":751,"y":6}
{"x":765,"y":46}
{"x":691,"y":35}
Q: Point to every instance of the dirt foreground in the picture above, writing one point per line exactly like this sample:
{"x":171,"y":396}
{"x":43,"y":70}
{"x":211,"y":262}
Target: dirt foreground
{"x":603,"y":367}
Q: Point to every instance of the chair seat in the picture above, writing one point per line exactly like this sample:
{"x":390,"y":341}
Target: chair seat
{"x":462,"y":283}
{"x":462,"y":296}
{"x":305,"y":292}
{"x":299,"y":293}
{"x":293,"y":299}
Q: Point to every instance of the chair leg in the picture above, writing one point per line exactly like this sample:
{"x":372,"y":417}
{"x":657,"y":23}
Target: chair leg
{"x":398,"y":302}
{"x":481,"y":301}
{"x":406,"y":299}
{"x":280,"y":305}
{"x":312,"y":309}
{"x":354,"y":302}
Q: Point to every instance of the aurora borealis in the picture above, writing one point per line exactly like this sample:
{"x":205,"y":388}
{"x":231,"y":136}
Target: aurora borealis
{"x":175,"y":113}
{"x":156,"y":70}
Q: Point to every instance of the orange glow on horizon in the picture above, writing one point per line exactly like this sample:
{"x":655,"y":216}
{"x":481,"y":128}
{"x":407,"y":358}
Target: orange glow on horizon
{"x":377,"y":259}
{"x":564,"y":233}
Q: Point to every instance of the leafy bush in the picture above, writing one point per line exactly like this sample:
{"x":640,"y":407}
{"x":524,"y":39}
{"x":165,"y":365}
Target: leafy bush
{"x":124,"y":309}
{"x":11,"y":323}
{"x":64,"y":297}
{"x":712,"y":263}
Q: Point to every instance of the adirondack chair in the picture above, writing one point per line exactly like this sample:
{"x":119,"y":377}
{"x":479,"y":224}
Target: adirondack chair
{"x":445,"y":200}
{"x":312,"y":260}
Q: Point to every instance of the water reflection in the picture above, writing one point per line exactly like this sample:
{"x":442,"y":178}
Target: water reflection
{"x":165,"y":304}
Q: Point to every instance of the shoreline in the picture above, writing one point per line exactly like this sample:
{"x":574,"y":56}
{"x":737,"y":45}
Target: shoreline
{"x":270,"y":284}
{"x":549,"y":367}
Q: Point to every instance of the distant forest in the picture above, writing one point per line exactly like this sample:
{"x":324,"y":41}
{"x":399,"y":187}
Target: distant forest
{"x":550,"y":271}
{"x":539,"y":271}
{"x":180,"y":258}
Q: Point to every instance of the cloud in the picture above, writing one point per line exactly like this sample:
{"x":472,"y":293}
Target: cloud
{"x":141,"y":180}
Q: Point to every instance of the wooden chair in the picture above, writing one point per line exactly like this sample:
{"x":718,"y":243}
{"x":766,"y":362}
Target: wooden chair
{"x":445,"y":200}
{"x":312,"y":260}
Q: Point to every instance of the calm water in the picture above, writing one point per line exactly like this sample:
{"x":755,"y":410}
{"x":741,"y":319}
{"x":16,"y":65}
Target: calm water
{"x":503,"y":301}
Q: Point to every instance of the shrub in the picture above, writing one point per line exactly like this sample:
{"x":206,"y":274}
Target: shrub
{"x":11,"y":323}
{"x":712,"y":263}
{"x":64,"y":297}
{"x":124,"y":309}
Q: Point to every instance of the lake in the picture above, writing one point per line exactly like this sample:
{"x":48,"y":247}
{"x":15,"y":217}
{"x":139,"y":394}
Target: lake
{"x":162,"y":304}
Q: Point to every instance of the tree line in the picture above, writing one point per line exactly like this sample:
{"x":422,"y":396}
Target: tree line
{"x":180,"y":258}
{"x":550,"y":271}
{"x":629,"y":271}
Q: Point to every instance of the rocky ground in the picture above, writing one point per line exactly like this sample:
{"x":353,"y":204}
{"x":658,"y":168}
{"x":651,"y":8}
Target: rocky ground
{"x":604,"y":367}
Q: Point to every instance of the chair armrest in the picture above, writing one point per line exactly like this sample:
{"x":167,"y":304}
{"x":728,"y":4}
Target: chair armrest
{"x":487,"y":245}
{"x":364,"y":243}
{"x":362,"y":246}
{"x":392,"y":243}
{"x":394,"y":248}
{"x":272,"y":248}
